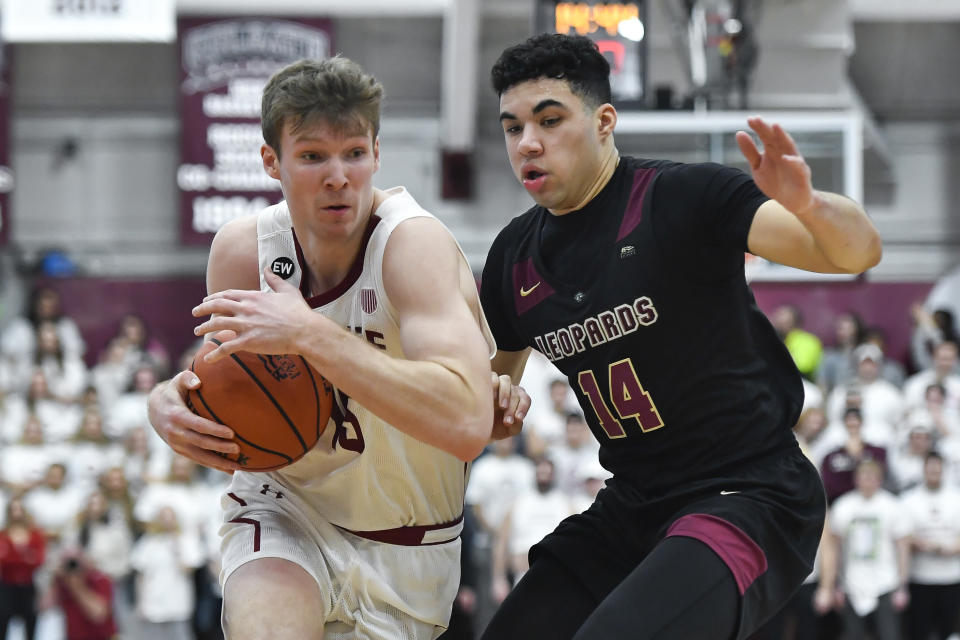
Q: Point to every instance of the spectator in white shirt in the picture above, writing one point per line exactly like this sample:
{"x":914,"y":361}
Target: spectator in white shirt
{"x":873,"y":540}
{"x":942,"y":372}
{"x":546,"y":424}
{"x":18,"y":342}
{"x":182,"y":491}
{"x":906,"y":460}
{"x":55,"y":503}
{"x":836,"y":365}
{"x":91,"y":451}
{"x":24,"y":463}
{"x":578,"y":450}
{"x":66,"y":373}
{"x":496,"y":479}
{"x":13,"y":415}
{"x":60,"y":419}
{"x":165,"y":560}
{"x":533,"y":514}
{"x":933,"y":511}
{"x":882,"y":402}
{"x":129,"y":411}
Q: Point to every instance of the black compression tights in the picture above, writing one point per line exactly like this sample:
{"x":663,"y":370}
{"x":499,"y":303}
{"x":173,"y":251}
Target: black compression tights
{"x":681,"y":591}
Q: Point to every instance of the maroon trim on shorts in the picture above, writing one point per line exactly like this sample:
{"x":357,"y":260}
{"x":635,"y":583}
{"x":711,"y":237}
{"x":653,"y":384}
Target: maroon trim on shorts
{"x":407,"y":536}
{"x":239,"y":500}
{"x":256,"y":530}
{"x":738,"y":551}
{"x":634,"y":212}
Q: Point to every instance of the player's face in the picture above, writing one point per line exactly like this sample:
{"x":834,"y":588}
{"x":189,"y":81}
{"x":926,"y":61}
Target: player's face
{"x":327,"y":178}
{"x":553,"y":142}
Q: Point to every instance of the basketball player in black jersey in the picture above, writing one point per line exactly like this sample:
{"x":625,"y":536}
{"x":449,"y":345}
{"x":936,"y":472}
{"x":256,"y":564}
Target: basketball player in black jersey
{"x":628,"y":275}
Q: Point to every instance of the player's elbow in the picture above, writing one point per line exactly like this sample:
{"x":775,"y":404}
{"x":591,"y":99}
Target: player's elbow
{"x":474,"y":429}
{"x":868,"y":255}
{"x":873,"y":252}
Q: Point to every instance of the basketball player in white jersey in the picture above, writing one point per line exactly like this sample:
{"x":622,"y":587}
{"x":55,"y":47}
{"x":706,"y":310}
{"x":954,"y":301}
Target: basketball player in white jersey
{"x":360,"y":538}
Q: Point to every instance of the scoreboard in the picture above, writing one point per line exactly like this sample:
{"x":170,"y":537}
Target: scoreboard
{"x":618,"y":28}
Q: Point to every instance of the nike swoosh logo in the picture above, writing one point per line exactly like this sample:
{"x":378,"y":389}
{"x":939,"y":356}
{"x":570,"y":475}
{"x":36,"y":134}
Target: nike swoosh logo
{"x":728,"y":493}
{"x":525,"y":292}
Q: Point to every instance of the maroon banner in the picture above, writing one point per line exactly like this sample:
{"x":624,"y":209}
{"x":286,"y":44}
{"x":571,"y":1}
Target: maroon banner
{"x":224,"y":64}
{"x":6,"y":175}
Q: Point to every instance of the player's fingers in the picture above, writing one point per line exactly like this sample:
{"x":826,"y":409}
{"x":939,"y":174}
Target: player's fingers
{"x":208,"y":459}
{"x":275,"y":282}
{"x":216,"y":324}
{"x":748,"y":148}
{"x":785,"y":141}
{"x":502,"y":391}
{"x":186,"y":427}
{"x":523,"y":403}
{"x":184,"y":381}
{"x":219,"y":306}
{"x":763,"y":130}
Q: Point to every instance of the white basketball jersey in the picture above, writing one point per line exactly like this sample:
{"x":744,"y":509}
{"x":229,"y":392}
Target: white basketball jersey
{"x":364,"y":474}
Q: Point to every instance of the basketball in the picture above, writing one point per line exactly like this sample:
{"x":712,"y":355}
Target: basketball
{"x":277,"y":405}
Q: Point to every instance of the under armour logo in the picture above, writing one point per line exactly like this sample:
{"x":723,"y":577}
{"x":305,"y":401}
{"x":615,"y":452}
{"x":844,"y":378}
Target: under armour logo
{"x":268,"y":490}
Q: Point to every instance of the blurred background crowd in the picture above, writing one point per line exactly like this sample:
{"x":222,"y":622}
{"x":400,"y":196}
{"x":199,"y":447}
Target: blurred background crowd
{"x":103,"y":528}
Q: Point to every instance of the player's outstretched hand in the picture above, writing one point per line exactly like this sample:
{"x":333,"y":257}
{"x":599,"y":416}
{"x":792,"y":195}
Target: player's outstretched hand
{"x":265,"y":322}
{"x":510,"y":405}
{"x":188,"y":434}
{"x":779,"y":170}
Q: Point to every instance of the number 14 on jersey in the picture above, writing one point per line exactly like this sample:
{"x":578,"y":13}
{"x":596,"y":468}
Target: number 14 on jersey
{"x":627,"y":395}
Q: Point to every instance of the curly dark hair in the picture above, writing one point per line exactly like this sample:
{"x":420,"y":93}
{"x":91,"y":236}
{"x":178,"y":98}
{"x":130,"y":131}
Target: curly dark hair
{"x":575,"y":59}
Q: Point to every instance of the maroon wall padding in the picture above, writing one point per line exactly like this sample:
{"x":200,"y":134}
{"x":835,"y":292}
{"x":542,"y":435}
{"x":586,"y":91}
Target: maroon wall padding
{"x":882,"y":304}
{"x":165,"y":304}
{"x":97,"y":305}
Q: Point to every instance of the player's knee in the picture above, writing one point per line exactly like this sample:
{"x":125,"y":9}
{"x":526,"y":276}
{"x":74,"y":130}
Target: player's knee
{"x":272,"y":598}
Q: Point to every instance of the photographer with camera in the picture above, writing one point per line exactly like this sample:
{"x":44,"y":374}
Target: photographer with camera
{"x":85,"y":596}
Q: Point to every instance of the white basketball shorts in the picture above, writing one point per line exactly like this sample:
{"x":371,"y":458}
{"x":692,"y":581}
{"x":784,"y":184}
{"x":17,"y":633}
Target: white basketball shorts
{"x":371,"y":589}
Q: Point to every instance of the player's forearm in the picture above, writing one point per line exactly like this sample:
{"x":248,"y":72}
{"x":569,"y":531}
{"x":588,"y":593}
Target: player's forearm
{"x":903,"y":559}
{"x":829,"y":561}
{"x":440,"y":401}
{"x":843,"y":231}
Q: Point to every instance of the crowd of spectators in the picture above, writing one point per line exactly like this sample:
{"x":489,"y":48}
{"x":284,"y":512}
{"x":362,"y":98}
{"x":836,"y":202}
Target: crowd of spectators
{"x":106,"y":533}
{"x":885,"y":436}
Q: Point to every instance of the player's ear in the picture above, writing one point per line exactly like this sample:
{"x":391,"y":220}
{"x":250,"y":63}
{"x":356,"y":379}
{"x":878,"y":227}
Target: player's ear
{"x":376,"y":153}
{"x":606,"y":120}
{"x":271,"y":161}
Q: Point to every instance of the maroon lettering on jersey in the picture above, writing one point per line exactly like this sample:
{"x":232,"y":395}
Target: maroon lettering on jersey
{"x":376,"y":338}
{"x":579,"y":336}
{"x":610,"y":327}
{"x":594,"y":332}
{"x":634,"y":211}
{"x":626,"y":318}
{"x":566,"y":342}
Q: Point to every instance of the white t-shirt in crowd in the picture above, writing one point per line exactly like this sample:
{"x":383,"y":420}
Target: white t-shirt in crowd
{"x":934,"y":517}
{"x":165,"y":562}
{"x":869,"y":528}
{"x":495,"y":482}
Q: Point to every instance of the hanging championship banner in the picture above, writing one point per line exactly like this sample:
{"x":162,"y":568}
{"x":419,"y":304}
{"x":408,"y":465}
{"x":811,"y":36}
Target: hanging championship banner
{"x":6,"y":175}
{"x":618,"y":28}
{"x":224,"y":65}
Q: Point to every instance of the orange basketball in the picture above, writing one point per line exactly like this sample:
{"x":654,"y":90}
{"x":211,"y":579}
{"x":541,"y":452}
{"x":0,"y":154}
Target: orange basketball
{"x":277,"y":405}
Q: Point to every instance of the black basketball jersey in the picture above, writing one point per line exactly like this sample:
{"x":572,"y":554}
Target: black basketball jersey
{"x":640,"y":300}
